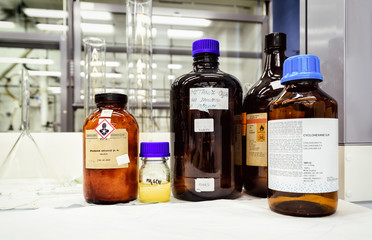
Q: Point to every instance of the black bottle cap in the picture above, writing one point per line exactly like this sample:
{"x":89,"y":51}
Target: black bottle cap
{"x":111,"y":97}
{"x":276,"y":40}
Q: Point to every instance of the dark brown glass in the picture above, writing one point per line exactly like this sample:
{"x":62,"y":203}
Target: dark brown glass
{"x":109,"y":186}
{"x":205,"y":154}
{"x":256,"y":101}
{"x":303,"y":99}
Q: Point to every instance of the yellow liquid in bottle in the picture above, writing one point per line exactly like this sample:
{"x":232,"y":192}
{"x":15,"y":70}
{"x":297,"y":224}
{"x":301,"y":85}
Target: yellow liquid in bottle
{"x":154,"y":192}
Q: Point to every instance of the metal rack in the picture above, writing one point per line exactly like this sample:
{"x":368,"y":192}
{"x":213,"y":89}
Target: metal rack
{"x":70,"y":46}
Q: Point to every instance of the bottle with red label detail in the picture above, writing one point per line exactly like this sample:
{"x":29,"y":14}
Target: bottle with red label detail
{"x":110,"y":136}
{"x":254,"y":117}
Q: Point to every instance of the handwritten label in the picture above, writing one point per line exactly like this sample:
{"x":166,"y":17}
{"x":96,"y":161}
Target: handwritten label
{"x":204,"y":99}
{"x":153,"y":181}
{"x":204,"y":125}
{"x":204,"y":184}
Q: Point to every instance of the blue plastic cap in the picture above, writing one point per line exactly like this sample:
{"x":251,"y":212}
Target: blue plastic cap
{"x":206,"y":46}
{"x":301,"y":67}
{"x":154,"y":149}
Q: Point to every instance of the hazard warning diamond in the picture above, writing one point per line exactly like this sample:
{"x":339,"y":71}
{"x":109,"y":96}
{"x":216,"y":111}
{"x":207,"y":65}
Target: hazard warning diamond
{"x":104,"y":129}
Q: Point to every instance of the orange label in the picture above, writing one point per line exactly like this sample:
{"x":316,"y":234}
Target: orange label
{"x":256,"y":125}
{"x":244,"y":123}
{"x":261,"y":132}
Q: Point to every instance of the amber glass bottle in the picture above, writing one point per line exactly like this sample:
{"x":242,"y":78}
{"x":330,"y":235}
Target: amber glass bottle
{"x":303,"y":143}
{"x":110,"y":152}
{"x":254,"y":135}
{"x":205,"y":121}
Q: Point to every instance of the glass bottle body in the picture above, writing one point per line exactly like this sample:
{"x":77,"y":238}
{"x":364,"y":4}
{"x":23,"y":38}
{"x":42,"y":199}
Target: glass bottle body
{"x":154,"y":180}
{"x":255,"y":115}
{"x":108,"y":186}
{"x":303,"y":100}
{"x":207,"y":163}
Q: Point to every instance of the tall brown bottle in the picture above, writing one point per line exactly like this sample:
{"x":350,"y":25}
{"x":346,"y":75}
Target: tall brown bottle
{"x":205,"y":121}
{"x":110,"y":152}
{"x":254,"y":117}
{"x":303,"y":143}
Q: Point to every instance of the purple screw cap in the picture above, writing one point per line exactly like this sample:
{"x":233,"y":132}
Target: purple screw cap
{"x":206,"y":46}
{"x":154,"y":149}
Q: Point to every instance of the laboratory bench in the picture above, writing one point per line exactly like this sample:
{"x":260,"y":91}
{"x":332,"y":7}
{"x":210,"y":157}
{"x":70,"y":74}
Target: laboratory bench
{"x":68,"y":216}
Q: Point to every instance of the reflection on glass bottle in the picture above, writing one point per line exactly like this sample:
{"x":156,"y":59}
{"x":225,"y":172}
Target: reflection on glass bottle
{"x":254,"y":147}
{"x":139,"y":60}
{"x":94,"y":71}
{"x":25,"y":175}
{"x":205,"y":120}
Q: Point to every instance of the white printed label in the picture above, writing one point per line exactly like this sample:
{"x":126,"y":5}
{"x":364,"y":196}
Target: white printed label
{"x":204,"y":184}
{"x":204,"y":99}
{"x":276,"y":85}
{"x":303,"y":155}
{"x":123,"y":159}
{"x":106,"y":113}
{"x":204,"y":125}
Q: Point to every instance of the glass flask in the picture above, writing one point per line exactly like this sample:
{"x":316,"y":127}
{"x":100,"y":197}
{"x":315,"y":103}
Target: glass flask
{"x":206,"y":129}
{"x":254,"y":135}
{"x":94,"y":71}
{"x":25,"y":176}
{"x":139,"y":61}
{"x":303,"y":143}
{"x":110,"y":136}
{"x":154,"y":175}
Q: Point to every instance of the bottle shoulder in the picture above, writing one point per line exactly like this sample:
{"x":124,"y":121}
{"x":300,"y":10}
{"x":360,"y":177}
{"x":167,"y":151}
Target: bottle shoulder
{"x":265,"y":88}
{"x":120,"y":118}
{"x":310,"y":97}
{"x":261,"y":94}
{"x":206,"y":79}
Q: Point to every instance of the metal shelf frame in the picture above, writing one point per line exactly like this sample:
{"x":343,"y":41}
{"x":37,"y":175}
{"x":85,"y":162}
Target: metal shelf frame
{"x":70,"y":46}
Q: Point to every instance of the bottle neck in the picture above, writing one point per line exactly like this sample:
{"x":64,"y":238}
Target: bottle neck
{"x":302,"y":85}
{"x":274,"y":64}
{"x":205,"y":62}
{"x":154,"y":160}
{"x":111,"y":105}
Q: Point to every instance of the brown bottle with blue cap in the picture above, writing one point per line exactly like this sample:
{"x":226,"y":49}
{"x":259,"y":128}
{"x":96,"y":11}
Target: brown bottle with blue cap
{"x":206,"y":129}
{"x":303,"y":143}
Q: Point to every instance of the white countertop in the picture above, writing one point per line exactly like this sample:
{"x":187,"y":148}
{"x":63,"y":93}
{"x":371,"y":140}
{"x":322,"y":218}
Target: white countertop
{"x":70,"y":217}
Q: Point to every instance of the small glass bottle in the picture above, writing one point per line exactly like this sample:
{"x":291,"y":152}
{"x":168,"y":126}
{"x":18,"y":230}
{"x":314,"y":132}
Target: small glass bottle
{"x":205,"y":123}
{"x":254,"y":116}
{"x":154,"y":175}
{"x":110,"y":152}
{"x":303,"y":143}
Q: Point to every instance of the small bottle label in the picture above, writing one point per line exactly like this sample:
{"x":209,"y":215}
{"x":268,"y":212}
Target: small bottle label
{"x":303,"y":155}
{"x":106,"y":153}
{"x":256,"y":139}
{"x":204,"y":125}
{"x":204,"y":184}
{"x":106,"y":113}
{"x":204,"y":99}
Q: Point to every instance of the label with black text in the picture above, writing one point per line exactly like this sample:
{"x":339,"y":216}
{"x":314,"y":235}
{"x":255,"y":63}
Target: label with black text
{"x":303,"y":155}
{"x":204,"y":99}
